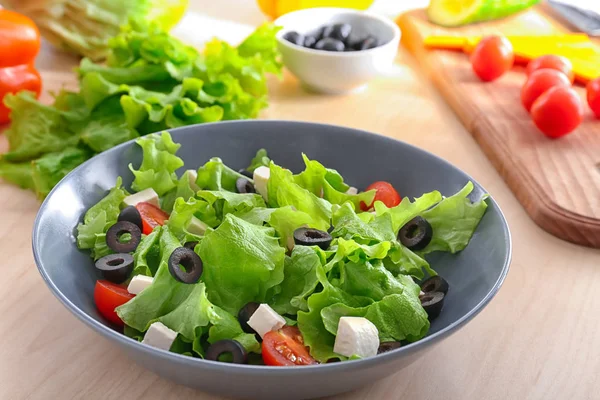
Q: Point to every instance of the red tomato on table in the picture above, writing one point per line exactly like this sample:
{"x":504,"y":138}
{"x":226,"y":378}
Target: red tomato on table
{"x":152,"y":217}
{"x":558,"y":111}
{"x":285,"y":347}
{"x":385,"y":193}
{"x":551,"y":61}
{"x":593,"y":96}
{"x":109,"y":296}
{"x":492,"y":57}
{"x":540,"y":81}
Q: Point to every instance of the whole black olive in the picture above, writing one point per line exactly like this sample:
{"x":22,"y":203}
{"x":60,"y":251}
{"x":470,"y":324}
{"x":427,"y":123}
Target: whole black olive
{"x":131,"y":214}
{"x":310,"y":41}
{"x":245,"y":314}
{"x":117,"y":231}
{"x":367,"y":43}
{"x":246,"y":173}
{"x":432,"y":302}
{"x":338,"y":31}
{"x":243,"y":185}
{"x":329,"y":44}
{"x":388,"y":346}
{"x":435,"y":284}
{"x":190,"y":261}
{"x":416,"y":233}
{"x":116,"y":267}
{"x":294,"y":37}
{"x":312,"y":237}
{"x":233,"y":347}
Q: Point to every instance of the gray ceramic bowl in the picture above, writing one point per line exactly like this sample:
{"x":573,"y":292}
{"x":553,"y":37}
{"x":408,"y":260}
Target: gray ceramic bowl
{"x":475,"y":275}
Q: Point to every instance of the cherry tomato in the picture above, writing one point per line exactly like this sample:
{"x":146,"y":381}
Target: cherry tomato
{"x":20,"y":39}
{"x":551,"y":61}
{"x":540,"y":81}
{"x":558,"y":111}
{"x":385,"y":193}
{"x":492,"y":57}
{"x":593,"y":96}
{"x":15,"y":79}
{"x":152,"y":217}
{"x":285,"y":347}
{"x":109,"y":296}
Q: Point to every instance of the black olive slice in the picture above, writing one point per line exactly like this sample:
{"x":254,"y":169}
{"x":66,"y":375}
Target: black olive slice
{"x":388,"y":346}
{"x":225,"y":346}
{"x":416,"y":233}
{"x":312,"y":237}
{"x":243,"y":185}
{"x":190,"y":245}
{"x":116,"y":232}
{"x":432,"y":302}
{"x":131,"y":214}
{"x":329,"y":44}
{"x":338,"y":31}
{"x":435,"y":284}
{"x":294,"y":37}
{"x":116,"y":267}
{"x":245,"y":314}
{"x":190,"y":261}
{"x":246,"y":173}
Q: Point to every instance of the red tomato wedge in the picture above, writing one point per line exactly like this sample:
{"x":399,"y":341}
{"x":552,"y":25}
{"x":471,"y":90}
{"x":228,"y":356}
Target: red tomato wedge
{"x":152,"y":217}
{"x":109,"y":296}
{"x":285,"y":347}
{"x":385,"y":193}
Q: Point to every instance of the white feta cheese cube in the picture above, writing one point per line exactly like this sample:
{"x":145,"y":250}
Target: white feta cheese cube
{"x":352,"y":190}
{"x":145,"y":196}
{"x":261,"y":179}
{"x":265,"y":320}
{"x":159,"y":336}
{"x":197,"y":227}
{"x":356,"y":336}
{"x":139,"y":283}
{"x":193,"y":176}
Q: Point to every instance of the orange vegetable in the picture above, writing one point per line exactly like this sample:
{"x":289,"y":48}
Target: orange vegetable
{"x":19,"y":44}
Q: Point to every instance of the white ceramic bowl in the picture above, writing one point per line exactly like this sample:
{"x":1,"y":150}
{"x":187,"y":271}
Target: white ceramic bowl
{"x":338,"y":72}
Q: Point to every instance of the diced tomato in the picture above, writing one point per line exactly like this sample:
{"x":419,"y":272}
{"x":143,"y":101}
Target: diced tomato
{"x":385,"y":193}
{"x":285,"y":347}
{"x":109,"y":296}
{"x":152,"y":217}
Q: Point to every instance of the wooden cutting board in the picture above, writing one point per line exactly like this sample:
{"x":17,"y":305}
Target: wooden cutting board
{"x":557,"y":181}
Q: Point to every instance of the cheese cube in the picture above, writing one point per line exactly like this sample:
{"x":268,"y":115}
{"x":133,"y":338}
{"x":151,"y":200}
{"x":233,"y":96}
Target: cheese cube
{"x":261,"y":179}
{"x":197,"y":227}
{"x":139,"y":283}
{"x":356,"y":336}
{"x":145,"y":196}
{"x":193,"y":176}
{"x":265,"y":320}
{"x":352,"y":190}
{"x":160,"y":336}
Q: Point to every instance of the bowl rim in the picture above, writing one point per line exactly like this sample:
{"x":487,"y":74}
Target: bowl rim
{"x":256,"y":370}
{"x":395,"y":41}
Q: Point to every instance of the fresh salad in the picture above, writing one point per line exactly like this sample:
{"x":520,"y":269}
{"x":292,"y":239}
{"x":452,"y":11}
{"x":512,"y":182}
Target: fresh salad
{"x":265,"y":266}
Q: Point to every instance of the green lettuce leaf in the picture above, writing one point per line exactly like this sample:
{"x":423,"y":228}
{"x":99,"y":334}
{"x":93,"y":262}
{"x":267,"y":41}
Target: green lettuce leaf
{"x":181,"y":216}
{"x":242,"y":262}
{"x":260,"y":160}
{"x":49,"y":169}
{"x":183,"y":190}
{"x":257,"y":216}
{"x":99,"y":218}
{"x":407,"y":210}
{"x":224,"y":202}
{"x":214,"y":175}
{"x":454,"y":221}
{"x":226,"y":326}
{"x":286,"y":220}
{"x":146,"y":257}
{"x":20,"y":174}
{"x":300,"y":281}
{"x":159,"y":163}
{"x":283,"y":191}
{"x":348,"y":225}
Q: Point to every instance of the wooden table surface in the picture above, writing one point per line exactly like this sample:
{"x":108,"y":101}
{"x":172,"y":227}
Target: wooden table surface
{"x":538,"y":339}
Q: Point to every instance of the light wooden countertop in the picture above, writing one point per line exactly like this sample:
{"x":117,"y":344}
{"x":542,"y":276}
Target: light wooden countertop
{"x":538,"y":339}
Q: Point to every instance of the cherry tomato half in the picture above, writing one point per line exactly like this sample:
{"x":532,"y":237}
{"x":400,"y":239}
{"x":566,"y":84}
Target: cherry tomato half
{"x":385,"y":193}
{"x":109,"y":296}
{"x":558,"y":111}
{"x":152,"y":216}
{"x":540,"y":81}
{"x":285,"y":347}
{"x":593,"y":96}
{"x":554,"y":62}
{"x":492,"y":57}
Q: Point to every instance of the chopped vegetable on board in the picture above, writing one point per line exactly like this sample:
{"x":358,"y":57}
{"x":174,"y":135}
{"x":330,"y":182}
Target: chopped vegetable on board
{"x":462,"y":12}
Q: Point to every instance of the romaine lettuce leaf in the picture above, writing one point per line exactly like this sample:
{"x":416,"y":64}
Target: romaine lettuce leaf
{"x":349,"y":226}
{"x":183,"y":190}
{"x":181,"y":216}
{"x":224,"y":202}
{"x":242,"y":262}
{"x":159,"y":163}
{"x":214,"y":175}
{"x":146,"y":257}
{"x":257,"y":216}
